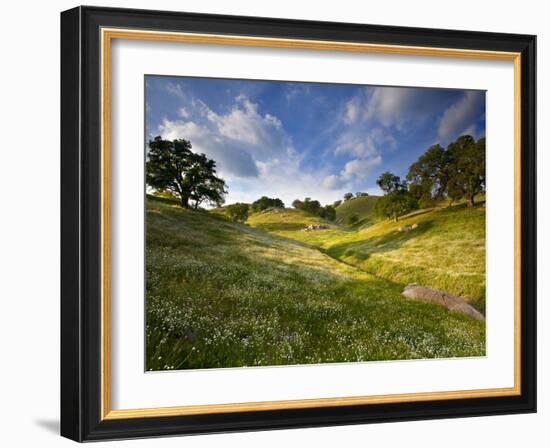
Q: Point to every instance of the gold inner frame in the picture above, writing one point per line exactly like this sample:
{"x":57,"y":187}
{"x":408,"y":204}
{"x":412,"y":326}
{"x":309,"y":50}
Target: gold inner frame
{"x":107,"y":35}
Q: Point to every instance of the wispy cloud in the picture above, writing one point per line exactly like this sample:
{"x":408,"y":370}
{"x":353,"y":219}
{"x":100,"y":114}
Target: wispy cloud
{"x":293,"y":91}
{"x":364,"y":141}
{"x":175,"y":89}
{"x":461,"y":116}
{"x":355,"y":169}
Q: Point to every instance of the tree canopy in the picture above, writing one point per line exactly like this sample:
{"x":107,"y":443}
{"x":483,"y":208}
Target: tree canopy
{"x":172,"y":167}
{"x":466,"y":169}
{"x":264,"y":203}
{"x":397,"y":200}
{"x":389,"y":182}
{"x":457,"y":172}
{"x":429,"y":175}
{"x":314,"y":207}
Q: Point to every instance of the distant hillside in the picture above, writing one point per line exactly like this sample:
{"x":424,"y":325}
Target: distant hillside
{"x":290,"y":222}
{"x":362,"y":206}
{"x":283,"y":219}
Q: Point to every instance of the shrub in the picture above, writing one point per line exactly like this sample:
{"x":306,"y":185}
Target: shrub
{"x":264,"y":203}
{"x":238,"y":212}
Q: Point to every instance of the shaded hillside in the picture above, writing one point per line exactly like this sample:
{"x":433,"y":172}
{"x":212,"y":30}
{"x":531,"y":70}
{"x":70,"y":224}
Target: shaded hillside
{"x":362,"y":206}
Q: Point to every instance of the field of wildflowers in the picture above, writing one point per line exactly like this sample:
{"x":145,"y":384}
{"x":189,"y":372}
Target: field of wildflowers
{"x":224,"y":294}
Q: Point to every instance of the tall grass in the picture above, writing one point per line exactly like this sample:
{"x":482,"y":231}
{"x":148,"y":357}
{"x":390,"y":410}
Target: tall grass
{"x":446,"y":251}
{"x":222,"y":294}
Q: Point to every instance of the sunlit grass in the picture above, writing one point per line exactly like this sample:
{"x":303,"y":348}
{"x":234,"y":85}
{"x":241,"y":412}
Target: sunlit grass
{"x":446,"y":251}
{"x":222,"y":294}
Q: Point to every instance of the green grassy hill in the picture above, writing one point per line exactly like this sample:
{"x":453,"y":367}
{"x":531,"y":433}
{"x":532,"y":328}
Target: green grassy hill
{"x":446,"y":251}
{"x":222,"y":294}
{"x":362,"y":206}
{"x":283,"y":219}
{"x":289,"y":223}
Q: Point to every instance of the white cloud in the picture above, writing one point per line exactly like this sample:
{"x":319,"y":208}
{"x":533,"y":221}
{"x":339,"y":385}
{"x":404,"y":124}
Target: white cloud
{"x":360,"y":168}
{"x":391,"y":106}
{"x":230,"y":158}
{"x":363,"y":142}
{"x":353,"y":107}
{"x":354,"y":171}
{"x":292,"y":92}
{"x":175,"y":89}
{"x":256,"y":157}
{"x":286,"y":179}
{"x":460,"y":116}
{"x":265,"y":133}
{"x":331,"y":182}
{"x":249,"y":148}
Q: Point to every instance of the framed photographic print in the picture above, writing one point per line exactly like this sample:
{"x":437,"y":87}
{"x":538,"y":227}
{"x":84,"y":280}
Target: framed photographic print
{"x":273,"y":223}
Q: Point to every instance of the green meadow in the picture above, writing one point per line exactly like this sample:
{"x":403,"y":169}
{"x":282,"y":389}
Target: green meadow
{"x":266,"y":292}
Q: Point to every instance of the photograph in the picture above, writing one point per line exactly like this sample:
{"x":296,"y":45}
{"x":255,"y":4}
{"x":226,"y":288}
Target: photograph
{"x":274,"y":222}
{"x":295,"y":223}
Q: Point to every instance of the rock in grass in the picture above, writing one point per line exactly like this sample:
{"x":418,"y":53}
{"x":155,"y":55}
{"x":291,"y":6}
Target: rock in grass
{"x":453,"y":303}
{"x":407,"y":228}
{"x":314,"y":227}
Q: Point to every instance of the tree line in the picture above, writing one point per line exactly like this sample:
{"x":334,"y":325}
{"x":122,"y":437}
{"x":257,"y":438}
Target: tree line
{"x":453,"y":173}
{"x":240,"y":211}
{"x":314,"y":207}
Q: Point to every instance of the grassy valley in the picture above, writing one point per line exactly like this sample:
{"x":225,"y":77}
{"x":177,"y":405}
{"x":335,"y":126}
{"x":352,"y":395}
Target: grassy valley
{"x":264,"y":246}
{"x":223,"y":294}
{"x":446,"y":251}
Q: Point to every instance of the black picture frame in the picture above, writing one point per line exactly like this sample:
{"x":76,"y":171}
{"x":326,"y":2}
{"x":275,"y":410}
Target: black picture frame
{"x":81,"y":224}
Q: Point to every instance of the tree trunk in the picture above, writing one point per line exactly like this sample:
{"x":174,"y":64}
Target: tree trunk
{"x":185,"y":201}
{"x":470,"y":201}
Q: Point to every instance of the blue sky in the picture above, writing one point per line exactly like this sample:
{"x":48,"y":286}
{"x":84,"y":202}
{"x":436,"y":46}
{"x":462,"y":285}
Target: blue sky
{"x":294,"y":140}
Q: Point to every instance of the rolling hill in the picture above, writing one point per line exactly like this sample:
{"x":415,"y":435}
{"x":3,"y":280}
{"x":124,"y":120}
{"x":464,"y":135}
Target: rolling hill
{"x":223,"y":294}
{"x":446,"y":251}
{"x":290,"y":222}
{"x":362,"y":206}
